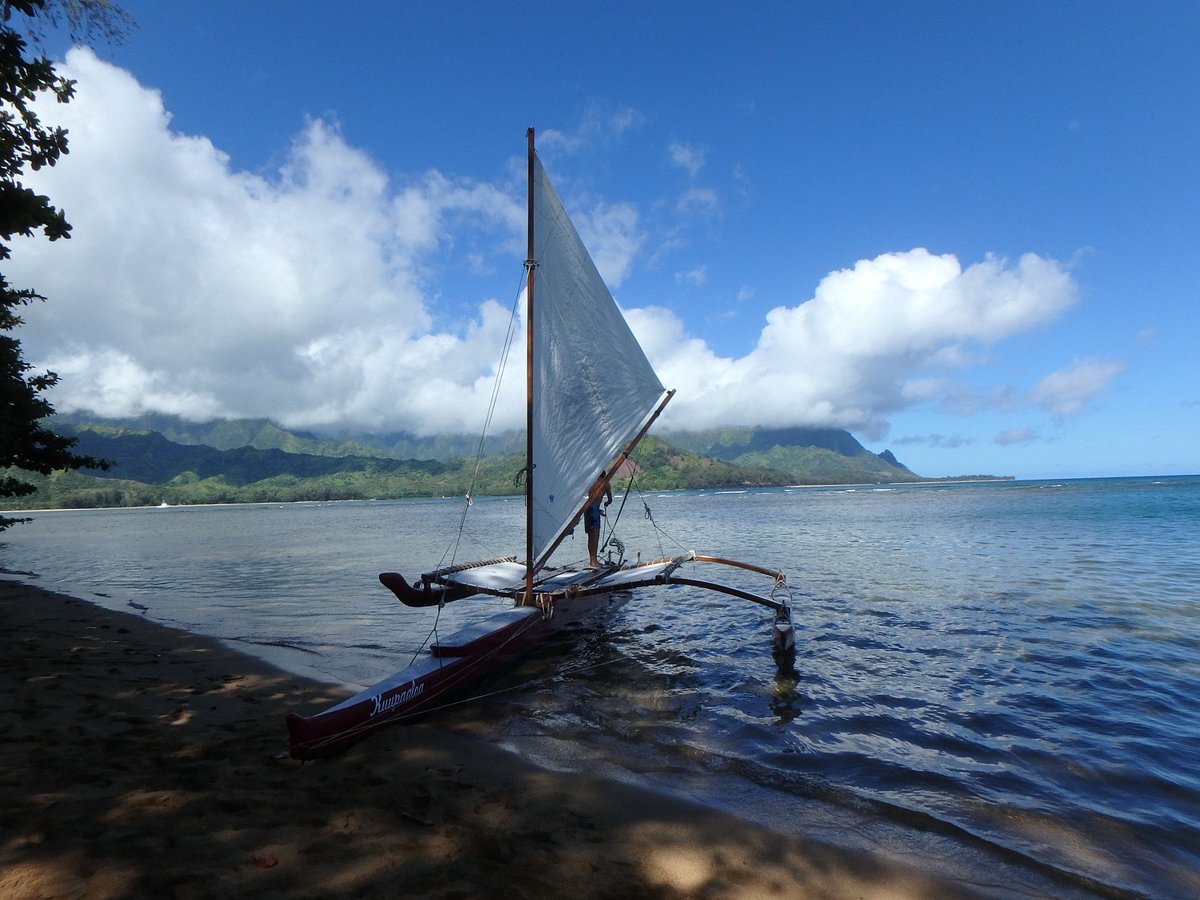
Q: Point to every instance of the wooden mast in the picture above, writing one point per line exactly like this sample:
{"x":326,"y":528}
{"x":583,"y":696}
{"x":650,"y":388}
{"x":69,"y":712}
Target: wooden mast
{"x":530,"y":267}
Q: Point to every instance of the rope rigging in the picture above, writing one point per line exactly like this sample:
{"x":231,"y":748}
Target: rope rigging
{"x":493,"y":402}
{"x":647,"y":514}
{"x":450,"y":555}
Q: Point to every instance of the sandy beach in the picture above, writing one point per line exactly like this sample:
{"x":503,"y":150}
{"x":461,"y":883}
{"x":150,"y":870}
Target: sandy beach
{"x":139,"y":761}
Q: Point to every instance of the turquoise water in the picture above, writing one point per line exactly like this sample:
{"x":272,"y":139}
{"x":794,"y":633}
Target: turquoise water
{"x":998,"y":681}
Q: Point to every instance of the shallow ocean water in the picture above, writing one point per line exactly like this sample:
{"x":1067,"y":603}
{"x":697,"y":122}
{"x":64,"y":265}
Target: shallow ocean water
{"x":996,"y":680}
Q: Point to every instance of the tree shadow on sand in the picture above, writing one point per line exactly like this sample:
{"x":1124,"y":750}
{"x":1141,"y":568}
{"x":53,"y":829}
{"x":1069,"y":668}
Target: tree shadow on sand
{"x":137,"y":761}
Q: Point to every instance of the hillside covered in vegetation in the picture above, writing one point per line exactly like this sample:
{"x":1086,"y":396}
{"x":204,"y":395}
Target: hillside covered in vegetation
{"x":166,"y":460}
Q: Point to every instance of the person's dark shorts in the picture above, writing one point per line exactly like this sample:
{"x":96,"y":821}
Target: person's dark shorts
{"x":591,"y":518}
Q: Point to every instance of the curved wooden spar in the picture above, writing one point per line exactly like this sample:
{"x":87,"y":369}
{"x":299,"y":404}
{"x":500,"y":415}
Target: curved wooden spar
{"x":770,"y":573}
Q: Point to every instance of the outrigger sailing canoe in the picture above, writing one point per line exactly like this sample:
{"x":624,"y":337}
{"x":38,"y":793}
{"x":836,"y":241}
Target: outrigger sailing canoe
{"x":591,"y":397}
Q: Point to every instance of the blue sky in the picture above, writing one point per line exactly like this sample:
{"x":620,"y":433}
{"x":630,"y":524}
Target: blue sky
{"x":964,"y":231}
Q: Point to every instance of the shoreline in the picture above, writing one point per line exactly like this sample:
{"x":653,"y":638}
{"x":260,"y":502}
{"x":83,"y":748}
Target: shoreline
{"x":18,"y":513}
{"x":926,"y":482}
{"x":137,"y":760}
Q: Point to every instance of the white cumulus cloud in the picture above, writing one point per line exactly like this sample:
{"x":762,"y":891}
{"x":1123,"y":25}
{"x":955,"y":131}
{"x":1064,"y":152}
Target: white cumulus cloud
{"x":863,"y":347}
{"x":194,"y":288}
{"x":311,"y":294}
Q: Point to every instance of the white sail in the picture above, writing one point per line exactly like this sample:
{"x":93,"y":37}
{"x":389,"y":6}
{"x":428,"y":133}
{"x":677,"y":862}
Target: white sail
{"x":593,"y":388}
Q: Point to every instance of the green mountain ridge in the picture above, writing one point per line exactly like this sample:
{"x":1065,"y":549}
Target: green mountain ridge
{"x":731,"y":442}
{"x":263,"y":434}
{"x":813,"y":455}
{"x":166,"y":459}
{"x":727,"y":444}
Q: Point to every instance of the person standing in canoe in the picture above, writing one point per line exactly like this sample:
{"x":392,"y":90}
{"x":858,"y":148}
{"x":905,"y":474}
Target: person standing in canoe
{"x":591,"y":519}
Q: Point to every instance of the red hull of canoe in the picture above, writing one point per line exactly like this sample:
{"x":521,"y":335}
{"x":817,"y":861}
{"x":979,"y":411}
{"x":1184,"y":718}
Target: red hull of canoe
{"x":435,"y":682}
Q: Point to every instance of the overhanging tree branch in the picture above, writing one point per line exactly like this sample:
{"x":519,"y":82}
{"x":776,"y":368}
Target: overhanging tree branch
{"x":28,"y":144}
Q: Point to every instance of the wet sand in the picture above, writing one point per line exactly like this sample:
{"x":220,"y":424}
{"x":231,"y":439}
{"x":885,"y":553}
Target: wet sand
{"x":139,"y":761}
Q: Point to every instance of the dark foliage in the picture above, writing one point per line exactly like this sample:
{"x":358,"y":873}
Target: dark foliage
{"x":27,"y":144}
{"x":152,"y":459}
